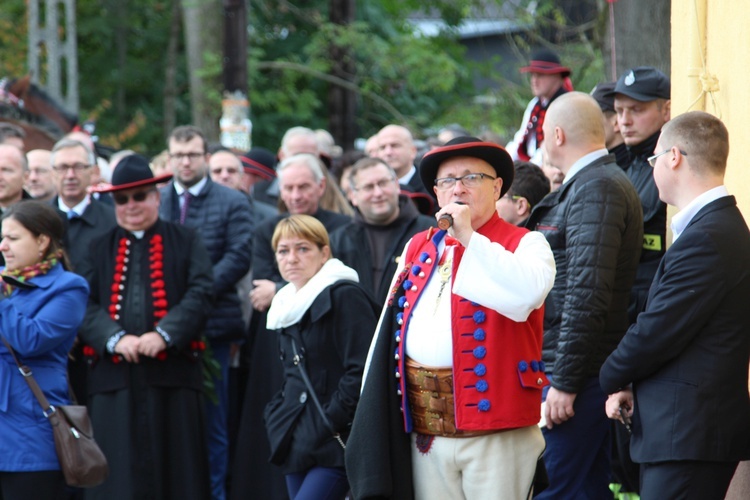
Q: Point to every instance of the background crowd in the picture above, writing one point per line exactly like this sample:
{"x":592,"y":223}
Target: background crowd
{"x":233,"y":297}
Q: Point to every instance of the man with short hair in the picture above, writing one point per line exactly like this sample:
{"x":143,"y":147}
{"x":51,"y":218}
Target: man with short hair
{"x":643,"y":107}
{"x":302,"y":183}
{"x":594,"y":225}
{"x":450,"y":399}
{"x":40,"y":183}
{"x":226,"y":169}
{"x":681,"y":369}
{"x":384,"y":221}
{"x":86,"y":218}
{"x":14,"y":170}
{"x":73,"y":169}
{"x":530,"y":186}
{"x":547,"y":80}
{"x":296,"y":140}
{"x":224,"y":219}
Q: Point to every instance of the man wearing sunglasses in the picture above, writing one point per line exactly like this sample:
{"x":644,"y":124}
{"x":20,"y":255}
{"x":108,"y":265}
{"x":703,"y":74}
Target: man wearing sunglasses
{"x":151,"y":288}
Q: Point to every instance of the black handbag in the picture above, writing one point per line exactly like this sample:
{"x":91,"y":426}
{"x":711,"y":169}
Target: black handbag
{"x":82,"y":462}
{"x":298,"y":363}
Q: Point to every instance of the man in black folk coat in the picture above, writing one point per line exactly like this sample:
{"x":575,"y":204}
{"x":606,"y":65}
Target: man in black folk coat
{"x":681,"y":370}
{"x":150,"y":295}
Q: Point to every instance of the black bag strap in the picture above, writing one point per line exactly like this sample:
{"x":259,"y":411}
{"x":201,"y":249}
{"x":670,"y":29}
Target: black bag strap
{"x":47,"y":408}
{"x":298,"y":363}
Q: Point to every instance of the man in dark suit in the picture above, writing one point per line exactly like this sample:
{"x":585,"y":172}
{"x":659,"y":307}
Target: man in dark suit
{"x":73,"y":166}
{"x":681,"y":370}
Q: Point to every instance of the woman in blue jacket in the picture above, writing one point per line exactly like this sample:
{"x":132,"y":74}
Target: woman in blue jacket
{"x":41,"y":307}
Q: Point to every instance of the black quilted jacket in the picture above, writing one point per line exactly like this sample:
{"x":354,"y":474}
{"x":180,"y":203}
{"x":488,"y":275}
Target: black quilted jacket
{"x":224,"y":219}
{"x":594,"y":225}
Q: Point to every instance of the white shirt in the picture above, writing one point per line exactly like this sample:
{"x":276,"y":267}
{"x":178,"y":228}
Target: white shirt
{"x":406,"y":178}
{"x":512,"y":283}
{"x":195,"y":189}
{"x":684,"y":216}
{"x":583,"y":161}
{"x":78,"y":209}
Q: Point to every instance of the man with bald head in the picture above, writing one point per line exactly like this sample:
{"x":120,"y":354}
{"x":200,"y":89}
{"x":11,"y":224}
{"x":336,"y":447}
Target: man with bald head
{"x":40,"y":184}
{"x":594,"y":225}
{"x":396,"y":148}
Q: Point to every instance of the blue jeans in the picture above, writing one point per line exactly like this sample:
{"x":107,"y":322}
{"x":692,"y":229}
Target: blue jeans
{"x":216,"y":420}
{"x":318,"y":483}
{"x":577,"y":457}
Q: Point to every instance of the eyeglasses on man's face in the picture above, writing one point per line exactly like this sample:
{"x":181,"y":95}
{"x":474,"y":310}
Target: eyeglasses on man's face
{"x":468,"y":180}
{"x":383,"y":184}
{"x":652,"y":159}
{"x":192,"y":156}
{"x":123,"y":199}
{"x":64,"y":167}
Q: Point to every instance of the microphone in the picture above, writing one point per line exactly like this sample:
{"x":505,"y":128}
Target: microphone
{"x":446,"y":220}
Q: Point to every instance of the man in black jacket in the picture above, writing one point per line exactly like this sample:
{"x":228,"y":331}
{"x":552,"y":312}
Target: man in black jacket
{"x":643,"y":107}
{"x":372,"y":243}
{"x":73,"y":166}
{"x":224,"y":219}
{"x":687,"y":355}
{"x":594,"y":225}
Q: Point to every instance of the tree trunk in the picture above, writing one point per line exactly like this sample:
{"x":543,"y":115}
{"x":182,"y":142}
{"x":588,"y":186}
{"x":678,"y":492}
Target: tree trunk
{"x":121,"y":48}
{"x":235,"y":46}
{"x":203,"y":22}
{"x":342,"y":102}
{"x":170,"y":70}
{"x":642,"y":35}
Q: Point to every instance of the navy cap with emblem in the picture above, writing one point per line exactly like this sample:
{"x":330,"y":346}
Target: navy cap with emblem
{"x":644,"y":83}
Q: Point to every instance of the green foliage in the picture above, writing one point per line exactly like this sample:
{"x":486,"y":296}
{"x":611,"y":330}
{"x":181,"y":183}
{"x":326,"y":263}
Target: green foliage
{"x":13,"y":47}
{"x":397,"y":76}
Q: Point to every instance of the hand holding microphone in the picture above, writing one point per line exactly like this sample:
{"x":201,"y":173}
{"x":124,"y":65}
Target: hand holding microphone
{"x":446,"y":220}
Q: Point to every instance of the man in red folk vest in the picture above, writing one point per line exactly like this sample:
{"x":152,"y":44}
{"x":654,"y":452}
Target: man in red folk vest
{"x":549,"y":80}
{"x":455,"y":369}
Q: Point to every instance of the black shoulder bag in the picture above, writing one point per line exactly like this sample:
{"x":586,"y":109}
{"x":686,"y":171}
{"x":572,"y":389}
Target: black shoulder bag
{"x":298,"y":358}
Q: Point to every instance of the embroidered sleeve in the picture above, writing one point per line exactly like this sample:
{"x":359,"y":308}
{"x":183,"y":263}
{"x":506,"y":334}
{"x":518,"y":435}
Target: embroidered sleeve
{"x":113,"y":340}
{"x":167,"y":338}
